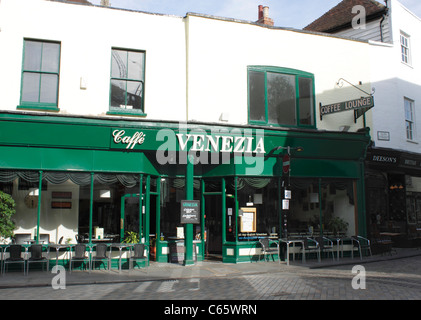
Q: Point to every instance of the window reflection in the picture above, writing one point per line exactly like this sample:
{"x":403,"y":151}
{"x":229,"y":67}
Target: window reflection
{"x":127,"y":79}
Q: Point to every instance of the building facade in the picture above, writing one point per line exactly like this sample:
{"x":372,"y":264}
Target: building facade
{"x":116,"y":126}
{"x":393,"y":163}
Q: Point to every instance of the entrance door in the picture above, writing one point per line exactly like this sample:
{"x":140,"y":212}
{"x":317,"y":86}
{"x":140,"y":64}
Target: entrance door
{"x":213,"y":224}
{"x":130,"y":219}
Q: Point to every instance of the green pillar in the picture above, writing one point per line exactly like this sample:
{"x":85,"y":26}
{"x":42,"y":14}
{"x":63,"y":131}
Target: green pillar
{"x":158,"y":244}
{"x":188,"y":228}
{"x":202,"y":217}
{"x":320,"y":208}
{"x":39,"y":205}
{"x":224,"y":218}
{"x":122,"y":209}
{"x":91,"y":207}
{"x":147,"y":208}
{"x":140,"y":208}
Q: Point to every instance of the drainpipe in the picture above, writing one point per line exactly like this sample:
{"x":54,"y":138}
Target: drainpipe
{"x":382,"y":20}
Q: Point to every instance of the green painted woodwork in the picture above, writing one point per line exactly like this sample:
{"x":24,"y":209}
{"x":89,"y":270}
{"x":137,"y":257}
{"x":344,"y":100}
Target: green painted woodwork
{"x":66,"y":143}
{"x":297,"y":74}
{"x":51,"y":68}
{"x":96,"y":134}
{"x":39,"y":206}
{"x":188,"y":228}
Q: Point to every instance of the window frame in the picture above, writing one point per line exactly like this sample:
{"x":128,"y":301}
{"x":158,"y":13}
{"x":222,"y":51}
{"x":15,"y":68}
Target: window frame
{"x":44,"y":106}
{"x":298,"y":74}
{"x":405,"y":47}
{"x":118,"y":110}
{"x":411,"y":134}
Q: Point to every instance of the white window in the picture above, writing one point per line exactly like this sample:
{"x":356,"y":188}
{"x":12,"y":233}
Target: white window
{"x":405,"y":49}
{"x":409,"y":119}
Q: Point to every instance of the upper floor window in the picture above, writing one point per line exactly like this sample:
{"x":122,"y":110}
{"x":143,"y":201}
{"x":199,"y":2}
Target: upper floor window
{"x":127,"y":81}
{"x":280,"y":97}
{"x":405,"y":48}
{"x":40,"y":75}
{"x":410,"y":119}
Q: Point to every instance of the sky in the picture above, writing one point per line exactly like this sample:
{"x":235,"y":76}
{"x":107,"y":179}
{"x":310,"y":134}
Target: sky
{"x":285,"y":13}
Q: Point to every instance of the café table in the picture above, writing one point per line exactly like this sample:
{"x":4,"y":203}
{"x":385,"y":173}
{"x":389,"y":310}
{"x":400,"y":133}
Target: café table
{"x":58,"y":247}
{"x":32,"y":241}
{"x":120,"y":247}
{"x":103,"y":240}
{"x":293,"y":242}
{"x":339,"y":244}
{"x":390,"y":234}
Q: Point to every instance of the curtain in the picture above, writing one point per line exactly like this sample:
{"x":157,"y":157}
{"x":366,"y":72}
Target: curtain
{"x":79,"y":178}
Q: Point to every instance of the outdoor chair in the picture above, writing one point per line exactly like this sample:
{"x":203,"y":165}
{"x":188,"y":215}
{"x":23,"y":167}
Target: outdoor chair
{"x":268,"y":249}
{"x":101,"y":256}
{"x":15,"y":256}
{"x":79,"y":255}
{"x":311,"y":246}
{"x":362,"y":244}
{"x":326,"y":245}
{"x":36,"y":256}
{"x":138,"y":254}
{"x":80,"y":238}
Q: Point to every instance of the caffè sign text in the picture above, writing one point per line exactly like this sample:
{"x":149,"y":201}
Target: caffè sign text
{"x":120,"y":136}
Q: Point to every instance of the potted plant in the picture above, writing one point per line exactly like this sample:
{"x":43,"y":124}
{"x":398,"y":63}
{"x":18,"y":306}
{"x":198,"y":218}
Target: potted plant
{"x":7,"y":210}
{"x":152,"y":248}
{"x":337,"y":225}
{"x":131,"y":237}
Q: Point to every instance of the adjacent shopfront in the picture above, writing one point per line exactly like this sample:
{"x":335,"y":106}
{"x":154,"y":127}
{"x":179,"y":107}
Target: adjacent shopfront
{"x":393,"y":191}
{"x":81,"y":177}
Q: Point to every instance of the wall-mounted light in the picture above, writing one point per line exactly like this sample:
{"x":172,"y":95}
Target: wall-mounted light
{"x":105,"y":194}
{"x":34,"y":192}
{"x":250,"y":203}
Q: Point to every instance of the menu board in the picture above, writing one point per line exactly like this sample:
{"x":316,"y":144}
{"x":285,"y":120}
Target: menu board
{"x":190,"y":211}
{"x":248,"y":220}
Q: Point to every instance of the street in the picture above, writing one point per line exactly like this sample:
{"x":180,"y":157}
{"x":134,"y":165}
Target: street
{"x":398,"y":279}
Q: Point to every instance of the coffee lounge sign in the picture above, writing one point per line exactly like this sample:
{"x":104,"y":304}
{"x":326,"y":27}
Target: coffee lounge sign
{"x":358,"y":104}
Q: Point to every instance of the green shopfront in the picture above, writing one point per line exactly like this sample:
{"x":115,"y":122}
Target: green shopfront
{"x":86,"y":179}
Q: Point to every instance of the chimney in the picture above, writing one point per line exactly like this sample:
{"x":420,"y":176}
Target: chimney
{"x":264,"y":16}
{"x":105,"y":3}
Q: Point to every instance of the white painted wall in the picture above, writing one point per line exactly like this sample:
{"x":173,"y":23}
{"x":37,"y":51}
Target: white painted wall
{"x":55,"y":222}
{"x":394,"y":80}
{"x":219,"y":52}
{"x":87,"y":34}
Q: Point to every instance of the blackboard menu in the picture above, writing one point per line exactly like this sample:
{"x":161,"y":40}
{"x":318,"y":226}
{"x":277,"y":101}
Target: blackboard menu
{"x":190,"y":211}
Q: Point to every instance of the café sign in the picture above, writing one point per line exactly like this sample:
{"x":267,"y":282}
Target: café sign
{"x":358,"y":104}
{"x":169,"y":140}
{"x":128,"y":140}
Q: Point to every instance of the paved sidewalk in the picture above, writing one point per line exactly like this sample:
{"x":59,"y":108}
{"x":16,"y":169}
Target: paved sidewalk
{"x":165,"y":271}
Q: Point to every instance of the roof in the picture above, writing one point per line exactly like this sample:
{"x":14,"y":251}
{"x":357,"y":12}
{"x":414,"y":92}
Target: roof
{"x":75,"y":1}
{"x":340,"y":17}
